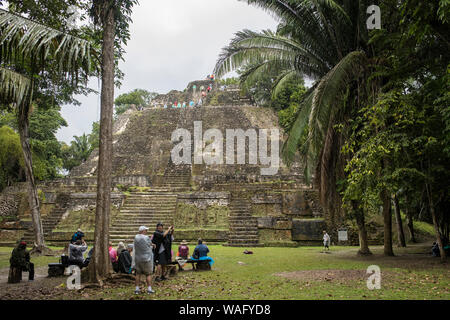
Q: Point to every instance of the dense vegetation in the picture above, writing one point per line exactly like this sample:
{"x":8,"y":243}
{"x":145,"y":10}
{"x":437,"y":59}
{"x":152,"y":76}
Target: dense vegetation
{"x":374,"y":127}
{"x":138,"y":98}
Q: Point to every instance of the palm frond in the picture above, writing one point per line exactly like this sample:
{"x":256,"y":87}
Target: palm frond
{"x":249,"y":47}
{"x":21,"y":37}
{"x":326,"y":101}
{"x":13,"y":86}
{"x":291,"y":146}
{"x":283,"y":78}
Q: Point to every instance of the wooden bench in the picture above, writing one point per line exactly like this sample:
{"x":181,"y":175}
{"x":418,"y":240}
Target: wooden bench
{"x":196,"y":265}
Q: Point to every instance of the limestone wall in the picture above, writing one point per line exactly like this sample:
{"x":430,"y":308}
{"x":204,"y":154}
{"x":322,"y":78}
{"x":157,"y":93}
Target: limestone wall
{"x":9,"y":205}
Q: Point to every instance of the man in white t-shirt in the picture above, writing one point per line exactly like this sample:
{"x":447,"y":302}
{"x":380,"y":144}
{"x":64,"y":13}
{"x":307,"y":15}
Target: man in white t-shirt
{"x":143,"y":258}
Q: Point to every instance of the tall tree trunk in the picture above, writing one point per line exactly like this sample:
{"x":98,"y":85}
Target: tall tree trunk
{"x":33,"y":199}
{"x":362,"y":232}
{"x":398,"y":221}
{"x":101,"y":266}
{"x":387,"y":215}
{"x":409,"y":222}
{"x":387,"y":218}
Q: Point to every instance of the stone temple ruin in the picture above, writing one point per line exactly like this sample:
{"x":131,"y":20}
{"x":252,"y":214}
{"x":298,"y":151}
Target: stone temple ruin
{"x":230,"y":204}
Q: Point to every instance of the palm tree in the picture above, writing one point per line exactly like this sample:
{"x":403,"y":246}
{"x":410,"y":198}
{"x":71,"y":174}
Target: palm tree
{"x":28,"y":49}
{"x":327,"y":41}
{"x":81,"y":147}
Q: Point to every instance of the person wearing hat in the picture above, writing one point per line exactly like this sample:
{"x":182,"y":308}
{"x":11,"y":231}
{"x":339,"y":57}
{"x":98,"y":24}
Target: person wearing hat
{"x":183,"y":254}
{"x":76,"y":253}
{"x":20,"y":259}
{"x":183,"y":250}
{"x":163,"y":249}
{"x":79,"y":235}
{"x":143,"y":258}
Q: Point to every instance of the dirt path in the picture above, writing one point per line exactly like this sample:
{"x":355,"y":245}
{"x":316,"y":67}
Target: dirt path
{"x":39,"y":274}
{"x":42,"y":288}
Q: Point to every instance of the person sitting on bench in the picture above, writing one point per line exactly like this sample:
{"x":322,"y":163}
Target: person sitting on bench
{"x":183,"y":250}
{"x":183,"y":254}
{"x":20,"y":260}
{"x":76,"y":252}
{"x":125,"y":260}
{"x":201,"y":253}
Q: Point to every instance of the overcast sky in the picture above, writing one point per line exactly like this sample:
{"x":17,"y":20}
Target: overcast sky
{"x":172,"y":43}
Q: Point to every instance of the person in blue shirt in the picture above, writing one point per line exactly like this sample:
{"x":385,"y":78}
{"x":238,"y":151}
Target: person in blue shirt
{"x":201,"y":253}
{"x":201,"y":250}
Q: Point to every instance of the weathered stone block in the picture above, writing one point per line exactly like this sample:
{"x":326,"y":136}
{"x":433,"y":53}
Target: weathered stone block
{"x":274,"y":235}
{"x":307,"y":229}
{"x":193,"y":235}
{"x":266,"y":222}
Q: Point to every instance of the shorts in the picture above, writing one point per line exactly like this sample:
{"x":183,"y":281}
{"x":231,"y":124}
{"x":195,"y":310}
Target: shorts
{"x":326,"y":244}
{"x":144,"y":267}
{"x":162,"y":259}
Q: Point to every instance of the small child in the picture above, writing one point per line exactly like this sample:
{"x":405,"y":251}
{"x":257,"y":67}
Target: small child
{"x":326,"y":240}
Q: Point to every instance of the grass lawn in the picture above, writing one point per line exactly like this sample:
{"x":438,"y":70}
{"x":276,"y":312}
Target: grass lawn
{"x":308,"y":274}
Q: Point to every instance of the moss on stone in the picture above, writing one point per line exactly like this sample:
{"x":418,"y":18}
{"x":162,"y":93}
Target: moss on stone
{"x":191,"y":216}
{"x":81,"y":219}
{"x":275,"y":235}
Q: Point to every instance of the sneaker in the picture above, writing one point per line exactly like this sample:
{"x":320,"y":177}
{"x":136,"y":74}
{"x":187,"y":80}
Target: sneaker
{"x":150,"y":291}
{"x":137,"y":291}
{"x":158,"y":279}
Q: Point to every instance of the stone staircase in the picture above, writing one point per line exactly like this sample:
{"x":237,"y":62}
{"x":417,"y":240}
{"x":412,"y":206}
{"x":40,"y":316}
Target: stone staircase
{"x":243,"y":226}
{"x":142,"y":209}
{"x":49,"y":222}
{"x":176,"y":178}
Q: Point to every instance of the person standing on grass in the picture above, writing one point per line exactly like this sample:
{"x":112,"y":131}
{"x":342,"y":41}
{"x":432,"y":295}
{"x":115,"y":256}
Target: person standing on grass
{"x":143,"y":259}
{"x":326,"y":240}
{"x":163,"y":244}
